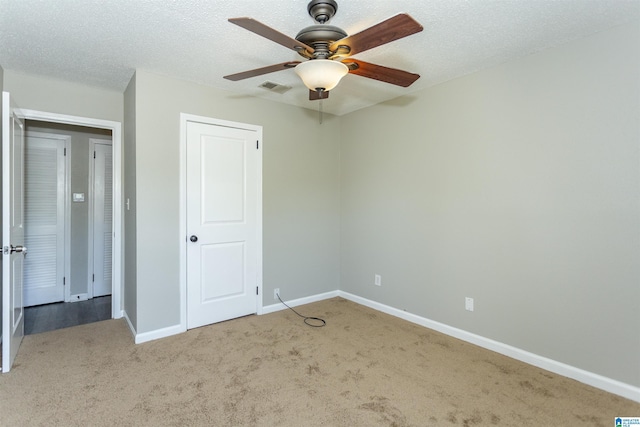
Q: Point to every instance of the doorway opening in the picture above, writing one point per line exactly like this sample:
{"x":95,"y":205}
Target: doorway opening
{"x":106,"y":138}
{"x":68,"y":225}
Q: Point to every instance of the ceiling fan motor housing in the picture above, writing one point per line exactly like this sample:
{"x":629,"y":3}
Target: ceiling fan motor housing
{"x":322,"y":10}
{"x":320,"y":37}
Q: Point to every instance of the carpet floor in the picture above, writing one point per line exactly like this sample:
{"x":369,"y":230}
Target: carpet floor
{"x":365,"y":368}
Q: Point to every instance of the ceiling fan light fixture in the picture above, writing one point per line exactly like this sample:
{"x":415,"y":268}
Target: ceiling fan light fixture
{"x":321,"y":74}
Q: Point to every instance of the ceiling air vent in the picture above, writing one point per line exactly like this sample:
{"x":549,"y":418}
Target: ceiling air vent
{"x":275,"y":87}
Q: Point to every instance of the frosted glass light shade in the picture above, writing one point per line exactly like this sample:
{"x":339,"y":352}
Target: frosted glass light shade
{"x":321,"y":74}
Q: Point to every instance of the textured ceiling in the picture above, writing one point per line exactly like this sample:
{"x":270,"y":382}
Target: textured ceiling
{"x":102,"y":42}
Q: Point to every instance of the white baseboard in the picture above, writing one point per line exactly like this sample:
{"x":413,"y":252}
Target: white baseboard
{"x":595,"y":380}
{"x":178,"y":329}
{"x":159,"y":333}
{"x":133,"y":330}
{"x":300,"y":301}
{"x":152,"y":335}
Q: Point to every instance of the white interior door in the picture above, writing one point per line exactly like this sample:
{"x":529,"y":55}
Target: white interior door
{"x":44,"y":218}
{"x":102,"y":219}
{"x":222,"y":222}
{"x":12,"y":232}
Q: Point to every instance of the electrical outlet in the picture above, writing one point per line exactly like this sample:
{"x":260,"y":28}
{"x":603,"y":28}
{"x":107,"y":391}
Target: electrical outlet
{"x":276,"y":292}
{"x":468,"y":304}
{"x":377,"y":280}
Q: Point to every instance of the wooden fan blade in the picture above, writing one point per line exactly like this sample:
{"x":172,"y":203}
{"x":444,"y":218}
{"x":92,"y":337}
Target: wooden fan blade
{"x":314,"y":95}
{"x":267,"y":32}
{"x":378,"y":72}
{"x":394,"y":28}
{"x":261,"y":71}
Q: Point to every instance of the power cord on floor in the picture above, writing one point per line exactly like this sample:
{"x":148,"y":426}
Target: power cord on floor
{"x":306,"y":318}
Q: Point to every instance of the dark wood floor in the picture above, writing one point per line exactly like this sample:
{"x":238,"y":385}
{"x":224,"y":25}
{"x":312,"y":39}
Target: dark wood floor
{"x":48,"y":317}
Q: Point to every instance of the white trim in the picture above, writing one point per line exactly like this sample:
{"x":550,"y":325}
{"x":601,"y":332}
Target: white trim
{"x":116,"y":136}
{"x":178,"y":329}
{"x":91,"y":212}
{"x":67,"y":222}
{"x":300,"y":301}
{"x":182,"y":240}
{"x":595,"y":380}
{"x":259,"y":297}
{"x":157,"y":334}
{"x":182,"y":226}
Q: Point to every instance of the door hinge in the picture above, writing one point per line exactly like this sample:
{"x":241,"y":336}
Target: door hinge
{"x":257,"y":291}
{"x":257,"y":145}
{"x":94,"y":154}
{"x":64,"y":281}
{"x":93,"y":277}
{"x":65,"y":151}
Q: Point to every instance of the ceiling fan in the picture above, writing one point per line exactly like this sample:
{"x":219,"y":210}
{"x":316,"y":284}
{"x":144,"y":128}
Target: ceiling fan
{"x":328,"y":49}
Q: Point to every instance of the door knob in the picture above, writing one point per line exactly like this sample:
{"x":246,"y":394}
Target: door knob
{"x":13,"y":249}
{"x":193,"y":238}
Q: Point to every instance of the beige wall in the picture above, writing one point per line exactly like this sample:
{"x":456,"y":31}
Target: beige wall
{"x":517,"y":186}
{"x":57,"y":96}
{"x":300,"y":193}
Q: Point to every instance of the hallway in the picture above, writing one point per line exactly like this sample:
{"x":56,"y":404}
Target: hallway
{"x":48,"y":317}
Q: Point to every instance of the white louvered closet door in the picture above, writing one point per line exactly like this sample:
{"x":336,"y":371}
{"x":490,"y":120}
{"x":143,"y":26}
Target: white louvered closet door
{"x":44,"y":199}
{"x":102,"y":220}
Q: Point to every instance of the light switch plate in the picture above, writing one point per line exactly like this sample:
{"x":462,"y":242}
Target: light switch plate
{"x":468,"y":304}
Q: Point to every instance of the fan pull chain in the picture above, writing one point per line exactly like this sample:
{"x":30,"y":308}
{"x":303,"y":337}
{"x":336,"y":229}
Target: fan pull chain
{"x":320,"y":110}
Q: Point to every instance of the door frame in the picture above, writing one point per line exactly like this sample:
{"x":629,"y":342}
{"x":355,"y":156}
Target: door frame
{"x":116,"y":137}
{"x":182,"y":239}
{"x":92,"y":208}
{"x":67,"y":200}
